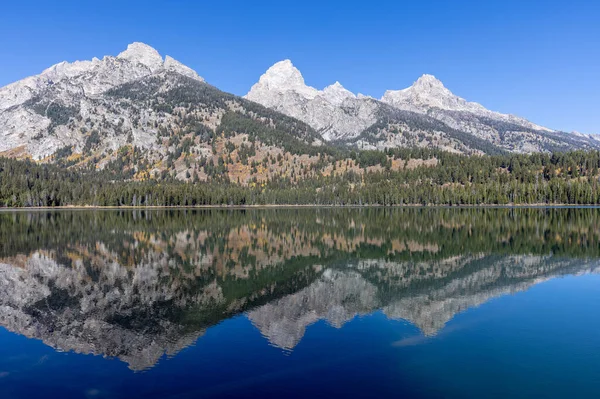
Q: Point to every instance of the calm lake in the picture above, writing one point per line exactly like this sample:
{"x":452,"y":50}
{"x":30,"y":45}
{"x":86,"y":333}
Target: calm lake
{"x":294,"y":303}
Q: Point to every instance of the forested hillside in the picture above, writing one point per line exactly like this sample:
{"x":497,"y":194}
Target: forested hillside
{"x":394,"y":177}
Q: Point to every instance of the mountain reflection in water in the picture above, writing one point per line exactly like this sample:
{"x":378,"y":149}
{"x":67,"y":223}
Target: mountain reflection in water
{"x":136,"y":285}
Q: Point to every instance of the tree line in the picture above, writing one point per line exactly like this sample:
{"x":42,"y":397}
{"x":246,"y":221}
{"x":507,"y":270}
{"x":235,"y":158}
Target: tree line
{"x":561,"y":178}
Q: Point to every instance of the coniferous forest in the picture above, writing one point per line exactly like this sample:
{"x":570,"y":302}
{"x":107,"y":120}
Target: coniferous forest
{"x":508,"y":179}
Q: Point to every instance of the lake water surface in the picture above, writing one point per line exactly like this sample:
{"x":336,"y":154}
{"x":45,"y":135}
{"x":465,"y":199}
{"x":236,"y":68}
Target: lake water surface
{"x":293,"y":303}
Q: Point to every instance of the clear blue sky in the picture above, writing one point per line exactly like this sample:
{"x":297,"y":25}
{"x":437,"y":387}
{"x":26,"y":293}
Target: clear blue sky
{"x":536,"y":59}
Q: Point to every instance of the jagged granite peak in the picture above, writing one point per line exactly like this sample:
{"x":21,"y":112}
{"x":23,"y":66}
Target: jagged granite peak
{"x":283,"y":76}
{"x":35,"y":111}
{"x":429,"y":92}
{"x":432,"y":117}
{"x":337,"y":94}
{"x":429,"y":80}
{"x":334,"y":112}
{"x":144,"y":54}
{"x":338,"y":114}
{"x":94,"y":76}
{"x":63,"y":105}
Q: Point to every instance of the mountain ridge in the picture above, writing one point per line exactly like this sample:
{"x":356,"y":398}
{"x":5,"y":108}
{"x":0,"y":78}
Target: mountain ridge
{"x":428,"y":91}
{"x":347,"y":117}
{"x":70,"y":111}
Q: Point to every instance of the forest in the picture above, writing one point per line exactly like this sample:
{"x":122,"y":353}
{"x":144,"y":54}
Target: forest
{"x":505,"y":179}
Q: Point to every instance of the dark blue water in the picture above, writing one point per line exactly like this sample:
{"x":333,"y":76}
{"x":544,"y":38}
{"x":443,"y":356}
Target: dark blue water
{"x":292,"y":304}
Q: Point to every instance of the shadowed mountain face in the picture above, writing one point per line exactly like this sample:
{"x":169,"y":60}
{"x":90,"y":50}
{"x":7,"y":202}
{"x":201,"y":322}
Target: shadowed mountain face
{"x":138,"y":285}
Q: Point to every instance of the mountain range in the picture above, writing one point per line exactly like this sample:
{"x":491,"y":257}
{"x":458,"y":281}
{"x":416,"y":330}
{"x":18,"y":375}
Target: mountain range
{"x":405,"y":118}
{"x":89,"y":113}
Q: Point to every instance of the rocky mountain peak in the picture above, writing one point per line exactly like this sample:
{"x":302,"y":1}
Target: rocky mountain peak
{"x":34,"y":111}
{"x":282,"y":88}
{"x":428,"y":87}
{"x":339,"y":114}
{"x":429,"y":92}
{"x":47,"y":112}
{"x":428,"y":81}
{"x":336,"y":93}
{"x":143,"y":54}
{"x":281,"y":77}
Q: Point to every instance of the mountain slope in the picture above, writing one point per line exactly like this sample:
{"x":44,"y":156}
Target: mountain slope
{"x":432,"y":117}
{"x":141,"y":116}
{"x":39,"y":113}
{"x":430,"y":93}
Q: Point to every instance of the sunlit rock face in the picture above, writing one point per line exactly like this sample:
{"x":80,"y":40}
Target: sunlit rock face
{"x":135,"y":97}
{"x":43,"y":113}
{"x":334,"y":112}
{"x":429,"y":93}
{"x":432,"y":116}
